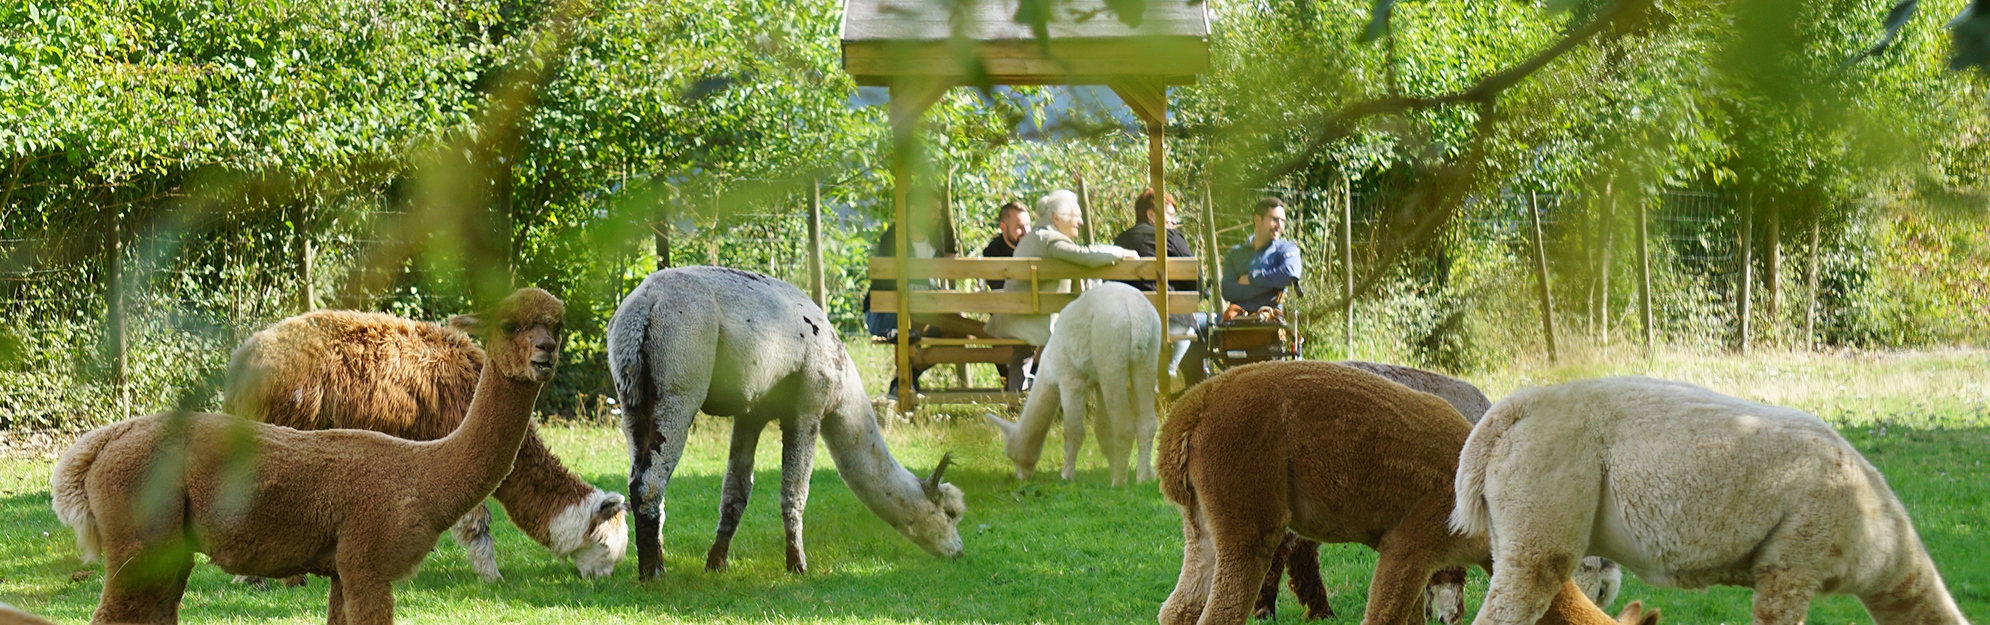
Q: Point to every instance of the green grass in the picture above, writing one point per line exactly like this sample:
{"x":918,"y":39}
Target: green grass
{"x":1046,"y":552}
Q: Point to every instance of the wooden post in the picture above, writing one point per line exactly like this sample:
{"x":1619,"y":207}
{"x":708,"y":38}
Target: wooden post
{"x":1746,"y":276}
{"x":1644,"y":276}
{"x":1149,"y":100}
{"x":115,"y":321}
{"x":909,"y":101}
{"x":818,"y":284}
{"x":1541,"y":272}
{"x":1810,"y":286}
{"x":1347,"y":262}
{"x":1213,"y":253}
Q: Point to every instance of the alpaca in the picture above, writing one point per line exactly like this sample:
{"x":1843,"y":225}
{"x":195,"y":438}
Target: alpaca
{"x":10,"y":615}
{"x":360,"y":507}
{"x":740,"y":344}
{"x":1688,"y":488}
{"x":1105,"y":342}
{"x":1333,"y":453}
{"x":1444,"y":597}
{"x":411,"y":379}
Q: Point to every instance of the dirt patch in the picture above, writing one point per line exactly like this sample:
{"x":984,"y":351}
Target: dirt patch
{"x":34,"y":444}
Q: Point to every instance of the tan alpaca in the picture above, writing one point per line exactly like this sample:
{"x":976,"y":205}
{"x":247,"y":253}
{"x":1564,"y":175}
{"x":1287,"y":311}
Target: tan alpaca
{"x":1333,"y":453}
{"x":411,"y":379}
{"x":1688,"y":488}
{"x":10,"y":615}
{"x":360,"y":507}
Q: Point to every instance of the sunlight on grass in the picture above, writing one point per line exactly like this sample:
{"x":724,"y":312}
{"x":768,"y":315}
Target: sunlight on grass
{"x":1048,"y":551}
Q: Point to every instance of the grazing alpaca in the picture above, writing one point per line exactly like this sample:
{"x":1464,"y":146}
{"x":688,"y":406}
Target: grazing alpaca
{"x":360,"y":507}
{"x":1688,"y":488}
{"x":1333,"y":453}
{"x":740,"y":344}
{"x":1105,"y":342}
{"x":1444,"y":597}
{"x":371,"y":371}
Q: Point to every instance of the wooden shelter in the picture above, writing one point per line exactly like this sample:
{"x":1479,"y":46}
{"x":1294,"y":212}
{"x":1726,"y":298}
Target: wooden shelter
{"x":922,"y":48}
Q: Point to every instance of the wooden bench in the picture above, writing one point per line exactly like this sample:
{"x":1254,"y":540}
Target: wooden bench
{"x":927,"y":351}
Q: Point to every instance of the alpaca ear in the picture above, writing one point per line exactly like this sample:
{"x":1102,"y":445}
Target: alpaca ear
{"x":932,"y":485}
{"x":470,"y":324}
{"x":610,"y":506}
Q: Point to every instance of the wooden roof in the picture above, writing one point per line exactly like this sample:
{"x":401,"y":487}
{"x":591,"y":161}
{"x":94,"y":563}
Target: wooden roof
{"x":888,"y":39}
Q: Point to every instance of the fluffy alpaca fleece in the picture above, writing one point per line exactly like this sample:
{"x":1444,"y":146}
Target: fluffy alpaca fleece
{"x":412,"y":379}
{"x":360,"y":507}
{"x":1687,"y":488}
{"x":1444,"y":597}
{"x":1106,"y":342}
{"x":1336,"y":455}
{"x":739,"y":344}
{"x":10,"y":615}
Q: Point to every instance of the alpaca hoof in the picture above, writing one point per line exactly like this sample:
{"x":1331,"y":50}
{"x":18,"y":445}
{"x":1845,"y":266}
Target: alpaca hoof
{"x":1265,"y":614}
{"x":1320,"y":614}
{"x":797,"y":561}
{"x":294,"y":581}
{"x":648,"y":573}
{"x":715,"y":560}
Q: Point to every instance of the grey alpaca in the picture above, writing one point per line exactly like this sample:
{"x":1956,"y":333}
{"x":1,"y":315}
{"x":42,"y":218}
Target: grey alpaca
{"x":743,"y":345}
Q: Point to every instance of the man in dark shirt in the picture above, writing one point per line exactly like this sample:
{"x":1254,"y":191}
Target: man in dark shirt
{"x":1010,"y":225}
{"x":1187,"y":356}
{"x":929,"y":238}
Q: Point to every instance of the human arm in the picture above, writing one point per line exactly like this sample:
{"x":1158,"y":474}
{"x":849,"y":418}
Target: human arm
{"x":1087,"y":255}
{"x":1281,"y":270}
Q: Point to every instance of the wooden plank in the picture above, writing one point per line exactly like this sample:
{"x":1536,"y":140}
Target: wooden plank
{"x":937,"y":342}
{"x":942,"y":355}
{"x":886,"y":268}
{"x":994,"y":20}
{"x":1165,"y":60}
{"x":1009,"y":303}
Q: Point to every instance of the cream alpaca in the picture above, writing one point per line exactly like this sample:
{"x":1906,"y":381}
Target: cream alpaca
{"x":359,"y":507}
{"x":411,"y":379}
{"x":1105,"y":342}
{"x":1687,"y":488}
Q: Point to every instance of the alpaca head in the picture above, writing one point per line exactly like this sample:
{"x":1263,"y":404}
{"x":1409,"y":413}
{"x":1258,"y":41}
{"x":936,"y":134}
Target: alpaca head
{"x":1444,"y":597}
{"x":1636,"y":614}
{"x":933,"y":524}
{"x":521,"y":334}
{"x":593,"y":533}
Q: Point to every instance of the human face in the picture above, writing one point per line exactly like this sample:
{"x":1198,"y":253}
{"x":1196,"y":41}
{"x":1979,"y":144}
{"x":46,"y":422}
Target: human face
{"x":1068,"y":223}
{"x":1269,"y":226}
{"x":1172,"y":222}
{"x":1014,"y":226}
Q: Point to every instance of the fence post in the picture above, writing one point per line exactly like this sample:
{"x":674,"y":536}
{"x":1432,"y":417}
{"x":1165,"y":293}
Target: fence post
{"x":1541,"y":271}
{"x":1347,"y":263}
{"x":818,"y":284}
{"x":1644,"y":275}
{"x":1747,"y":273}
{"x":120,"y":361}
{"x":1810,"y":286}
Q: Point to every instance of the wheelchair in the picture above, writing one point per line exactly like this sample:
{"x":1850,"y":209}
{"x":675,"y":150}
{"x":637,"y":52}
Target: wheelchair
{"x":1240,"y":337}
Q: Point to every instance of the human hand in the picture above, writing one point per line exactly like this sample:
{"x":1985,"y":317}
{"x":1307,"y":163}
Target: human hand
{"x":1129,"y":255}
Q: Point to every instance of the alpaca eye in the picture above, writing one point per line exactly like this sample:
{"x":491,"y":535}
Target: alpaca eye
{"x":509,"y":327}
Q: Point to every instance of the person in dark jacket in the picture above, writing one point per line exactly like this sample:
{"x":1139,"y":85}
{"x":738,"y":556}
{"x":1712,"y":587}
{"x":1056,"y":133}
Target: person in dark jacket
{"x":1188,"y":356}
{"x":1010,"y":225}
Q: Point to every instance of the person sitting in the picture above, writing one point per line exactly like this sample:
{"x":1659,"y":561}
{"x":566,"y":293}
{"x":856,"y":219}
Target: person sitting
{"x":1058,"y":221}
{"x":1140,"y":239}
{"x":1256,"y":273}
{"x":1011,"y":223}
{"x":927,"y":239}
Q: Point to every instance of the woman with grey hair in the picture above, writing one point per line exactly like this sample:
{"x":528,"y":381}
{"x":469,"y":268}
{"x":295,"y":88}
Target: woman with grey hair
{"x":1058,"y":221}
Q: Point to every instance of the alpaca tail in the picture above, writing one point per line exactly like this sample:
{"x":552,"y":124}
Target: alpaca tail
{"x":1171,"y":466}
{"x":69,"y":484}
{"x":628,"y":330}
{"x":1471,"y":515}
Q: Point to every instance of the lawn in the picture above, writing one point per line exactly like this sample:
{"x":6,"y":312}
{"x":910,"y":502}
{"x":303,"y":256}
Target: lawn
{"x":1046,"y":552}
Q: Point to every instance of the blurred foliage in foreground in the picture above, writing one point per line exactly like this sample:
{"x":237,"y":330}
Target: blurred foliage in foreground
{"x":220,"y":165}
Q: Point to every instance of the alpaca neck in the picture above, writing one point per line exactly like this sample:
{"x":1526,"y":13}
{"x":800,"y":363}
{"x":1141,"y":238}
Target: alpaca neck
{"x":476,"y":457}
{"x":850,"y":430}
{"x":539,"y":488}
{"x":1918,"y":599}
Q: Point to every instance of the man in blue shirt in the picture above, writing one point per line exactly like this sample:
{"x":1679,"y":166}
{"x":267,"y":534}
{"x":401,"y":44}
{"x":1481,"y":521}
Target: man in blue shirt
{"x":1257,"y":272}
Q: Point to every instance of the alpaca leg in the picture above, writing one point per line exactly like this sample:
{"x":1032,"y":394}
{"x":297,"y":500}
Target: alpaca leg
{"x":1191,"y":593}
{"x":1145,"y":424}
{"x":1267,"y":607}
{"x":737,"y":490}
{"x":1304,"y":566}
{"x":366,"y":600}
{"x":146,"y":589}
{"x":1782,"y":598}
{"x":335,"y":605}
{"x":1073,"y":399}
{"x":1395,"y":595}
{"x":473,"y":532}
{"x":654,"y":459}
{"x":1118,"y":420}
{"x":1523,"y":584}
{"x":798,"y":436}
{"x":1243,"y":554}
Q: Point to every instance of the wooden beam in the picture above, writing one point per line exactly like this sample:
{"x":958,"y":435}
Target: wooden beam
{"x":1146,"y":95}
{"x":1005,"y":302}
{"x":909,"y":100}
{"x":1169,"y":60}
{"x":886,"y":268}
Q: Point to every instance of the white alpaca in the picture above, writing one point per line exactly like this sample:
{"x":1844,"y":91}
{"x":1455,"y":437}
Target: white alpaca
{"x":1687,"y":488}
{"x":1106,"y":342}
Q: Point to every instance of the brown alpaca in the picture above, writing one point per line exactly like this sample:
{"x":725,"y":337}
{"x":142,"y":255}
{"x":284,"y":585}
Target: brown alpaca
{"x":1335,"y":454}
{"x":360,"y":507}
{"x":414,"y":380}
